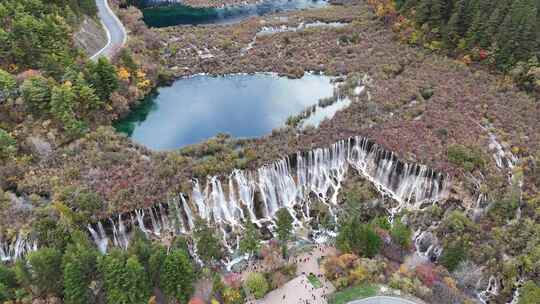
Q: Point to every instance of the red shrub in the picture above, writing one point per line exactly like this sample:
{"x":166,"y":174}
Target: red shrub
{"x":196,"y":300}
{"x":427,"y":274}
{"x":233,"y":280}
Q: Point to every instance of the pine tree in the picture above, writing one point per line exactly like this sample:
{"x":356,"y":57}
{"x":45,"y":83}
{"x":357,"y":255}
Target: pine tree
{"x":284,"y":226}
{"x":8,"y":145}
{"x":358,"y":238}
{"x":250,"y":241}
{"x":79,"y":267}
{"x":103,"y":78}
{"x":141,"y":247}
{"x":208,"y":245}
{"x":477,"y":31}
{"x":527,"y":28}
{"x":437,"y":12}
{"x":454,"y":28}
{"x":36,"y":92}
{"x":423,"y":11}
{"x":505,"y":44}
{"x":401,"y":235}
{"x":494,"y":21}
{"x":7,"y":85}
{"x":62,"y":105}
{"x":8,"y":283}
{"x":124,"y":278}
{"x":44,"y":265}
{"x":137,"y":284}
{"x":159,"y":253}
{"x":177,"y":276}
{"x":88,"y":7}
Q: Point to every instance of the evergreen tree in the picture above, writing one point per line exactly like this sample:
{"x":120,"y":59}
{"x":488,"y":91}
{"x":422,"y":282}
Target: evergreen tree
{"x":137,"y":285}
{"x":63,"y":102}
{"x":452,"y":255}
{"x":505,"y":44}
{"x":159,"y":253}
{"x":8,"y":283}
{"x":357,"y":238}
{"x":477,"y":33}
{"x":530,"y":293}
{"x":86,"y":95}
{"x":103,"y":78}
{"x":437,"y":12}
{"x":36,"y":92}
{"x":284,"y":223}
{"x":8,"y":145}
{"x":208,"y":245}
{"x":423,"y":11}
{"x":79,"y":267}
{"x":124,"y":279}
{"x":250,"y":241}
{"x":401,"y":235}
{"x":7,"y":85}
{"x":88,"y":7}
{"x":43,"y":271}
{"x":455,"y":27}
{"x":177,"y":276}
{"x":141,"y":247}
{"x":527,"y":31}
{"x":495,"y":19}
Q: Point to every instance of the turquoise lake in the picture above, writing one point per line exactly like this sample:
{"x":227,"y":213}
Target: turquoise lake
{"x":197,"y":108}
{"x":177,"y":14}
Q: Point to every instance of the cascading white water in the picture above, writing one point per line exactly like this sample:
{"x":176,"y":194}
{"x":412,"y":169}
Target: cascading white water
{"x":100,"y":237}
{"x":426,"y":245}
{"x":290,"y":183}
{"x":492,"y":290}
{"x":10,"y":251}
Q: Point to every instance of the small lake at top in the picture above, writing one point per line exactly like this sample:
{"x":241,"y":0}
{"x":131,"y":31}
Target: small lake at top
{"x":197,"y":108}
{"x":175,"y":14}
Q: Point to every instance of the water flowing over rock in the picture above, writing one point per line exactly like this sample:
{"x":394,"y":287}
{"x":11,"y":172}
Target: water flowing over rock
{"x":427,"y":245}
{"x":492,"y":290}
{"x":270,"y":30}
{"x":10,"y":251}
{"x":291,"y":183}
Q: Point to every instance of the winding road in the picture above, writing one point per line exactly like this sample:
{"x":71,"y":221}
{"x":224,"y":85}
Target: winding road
{"x":382,"y":300}
{"x":116,"y":33}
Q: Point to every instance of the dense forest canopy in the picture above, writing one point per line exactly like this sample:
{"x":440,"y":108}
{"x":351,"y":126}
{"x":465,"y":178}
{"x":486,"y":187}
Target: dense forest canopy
{"x":503,"y":33}
{"x":57,"y":80}
{"x":37,"y":34}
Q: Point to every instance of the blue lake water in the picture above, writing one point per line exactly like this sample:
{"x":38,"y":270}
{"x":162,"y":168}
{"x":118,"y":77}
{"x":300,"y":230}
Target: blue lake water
{"x":177,"y":14}
{"x":197,"y":108}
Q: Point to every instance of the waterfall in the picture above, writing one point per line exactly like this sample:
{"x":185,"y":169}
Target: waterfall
{"x":492,"y":290}
{"x":188,"y":212}
{"x":290,"y":183}
{"x":427,"y":245}
{"x":99,"y":237}
{"x":11,"y":251}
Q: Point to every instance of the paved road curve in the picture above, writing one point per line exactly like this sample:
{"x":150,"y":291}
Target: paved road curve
{"x":116,"y":33}
{"x":382,"y":300}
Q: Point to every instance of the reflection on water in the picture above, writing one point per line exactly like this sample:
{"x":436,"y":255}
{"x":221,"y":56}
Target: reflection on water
{"x":197,"y":108}
{"x":175,"y":14}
